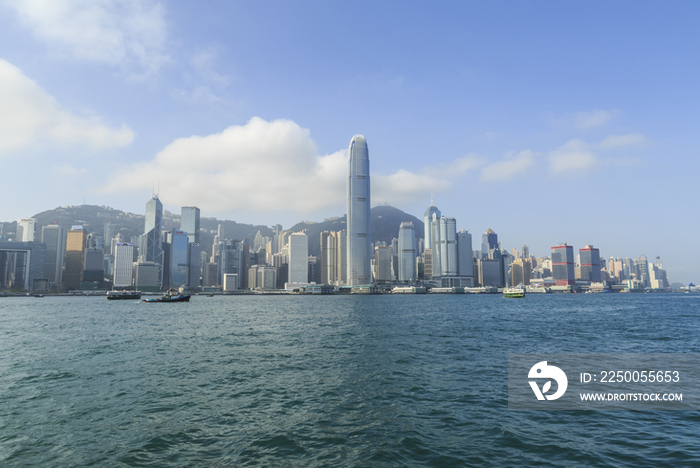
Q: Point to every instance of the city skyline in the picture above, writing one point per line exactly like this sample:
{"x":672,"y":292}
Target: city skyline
{"x":516,"y":119}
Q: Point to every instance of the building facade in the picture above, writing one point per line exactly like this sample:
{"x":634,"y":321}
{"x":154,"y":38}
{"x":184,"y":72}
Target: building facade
{"x":590,"y":263}
{"x":407,"y":252}
{"x":563,"y":265}
{"x":358,"y":221}
{"x":189,"y":222}
{"x":153,"y":250}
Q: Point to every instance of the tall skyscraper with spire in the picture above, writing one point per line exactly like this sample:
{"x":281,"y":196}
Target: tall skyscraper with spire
{"x":431,"y":214}
{"x":152,"y":232}
{"x":358,"y":237}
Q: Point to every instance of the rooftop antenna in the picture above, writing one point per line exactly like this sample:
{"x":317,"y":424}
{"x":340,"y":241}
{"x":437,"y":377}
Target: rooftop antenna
{"x":431,"y":199}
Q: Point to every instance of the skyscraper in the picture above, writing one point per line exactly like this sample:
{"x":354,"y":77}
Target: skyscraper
{"x":178,"y":258}
{"x":52,"y":236}
{"x":563,"y":265}
{"x":590,"y":263}
{"x":75,"y":248}
{"x":123,"y":265}
{"x":26,"y":227}
{"x":189,"y":222}
{"x":407,"y":252}
{"x":194,"y":264}
{"x":464,"y":252}
{"x":328,"y":258}
{"x":358,"y":237}
{"x":152,"y":234}
{"x":430,"y":214}
{"x":298,"y":258}
{"x":489,"y":241}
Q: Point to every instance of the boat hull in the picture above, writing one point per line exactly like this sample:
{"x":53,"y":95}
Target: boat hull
{"x":180,"y":298}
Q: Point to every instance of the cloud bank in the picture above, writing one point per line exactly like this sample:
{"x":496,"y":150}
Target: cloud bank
{"x":128,"y":34}
{"x":31,"y":119}
{"x":266,"y":166}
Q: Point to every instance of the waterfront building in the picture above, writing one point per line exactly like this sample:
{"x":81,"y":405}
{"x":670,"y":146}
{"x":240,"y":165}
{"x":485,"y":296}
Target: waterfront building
{"x":209,"y":274}
{"x":22,"y":266}
{"x":262,"y":277}
{"x":231,"y":262}
{"x":26,"y":229}
{"x":298,"y":258}
{"x":448,"y":247}
{"x":589,"y":262}
{"x":358,"y":220}
{"x":489,"y":271}
{"x":465,"y":265}
{"x":431,"y":214}
{"x":153,"y":251}
{"x":52,"y":236}
{"x":520,"y":272}
{"x":642,"y":269}
{"x":148,"y":276}
{"x":328,"y":258}
{"x":382,"y":264}
{"x":407,"y":252}
{"x":189,"y":222}
{"x":75,"y":256}
{"x":93,"y":269}
{"x":563,"y":265}
{"x":123,"y":265}
{"x":178,"y":258}
{"x":194,"y":264}
{"x":489,"y":241}
{"x":108,"y":230}
{"x":428,"y":264}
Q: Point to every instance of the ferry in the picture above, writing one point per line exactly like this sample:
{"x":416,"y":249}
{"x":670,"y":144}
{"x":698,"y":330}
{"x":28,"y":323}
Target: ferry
{"x":517,"y":291}
{"x":123,"y":295}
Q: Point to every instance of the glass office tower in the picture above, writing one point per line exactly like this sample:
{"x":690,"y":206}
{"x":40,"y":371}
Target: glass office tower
{"x":358,"y":237}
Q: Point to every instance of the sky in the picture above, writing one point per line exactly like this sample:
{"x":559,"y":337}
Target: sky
{"x":548,"y":122}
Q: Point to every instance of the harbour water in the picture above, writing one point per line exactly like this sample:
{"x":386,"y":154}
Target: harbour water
{"x":373,"y":381}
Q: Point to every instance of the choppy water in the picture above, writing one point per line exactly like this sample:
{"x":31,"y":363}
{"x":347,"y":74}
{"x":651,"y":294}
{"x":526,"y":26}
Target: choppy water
{"x":324,"y":381}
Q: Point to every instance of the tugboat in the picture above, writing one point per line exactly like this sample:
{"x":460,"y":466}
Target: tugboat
{"x":517,"y":291}
{"x":170,"y":296}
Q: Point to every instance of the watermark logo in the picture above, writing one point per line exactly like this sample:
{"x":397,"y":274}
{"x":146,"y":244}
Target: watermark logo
{"x":543,"y":371}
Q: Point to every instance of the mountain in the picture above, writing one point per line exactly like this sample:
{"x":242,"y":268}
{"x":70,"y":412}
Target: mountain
{"x":384,"y":220}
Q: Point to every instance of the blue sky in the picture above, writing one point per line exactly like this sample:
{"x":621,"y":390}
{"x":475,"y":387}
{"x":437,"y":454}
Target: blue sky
{"x":547,"y":122}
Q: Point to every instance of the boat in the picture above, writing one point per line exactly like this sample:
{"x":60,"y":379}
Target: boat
{"x":517,"y":291}
{"x":123,"y":295}
{"x":170,"y":296}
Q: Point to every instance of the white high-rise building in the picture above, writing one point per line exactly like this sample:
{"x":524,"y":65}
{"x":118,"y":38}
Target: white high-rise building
{"x":26,"y":227}
{"x":448,"y":247}
{"x":407,"y":252}
{"x":464,"y":253}
{"x":358,"y":237}
{"x":123,"y":265}
{"x":298,"y":258}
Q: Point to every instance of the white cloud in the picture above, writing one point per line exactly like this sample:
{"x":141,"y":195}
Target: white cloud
{"x":574,"y":156}
{"x":30,"y":118}
{"x":405,"y":186}
{"x":587,"y":120}
{"x":129,"y":34}
{"x":263,"y":166}
{"x":509,"y":167}
{"x":619,"y":141}
{"x":456,"y":167}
